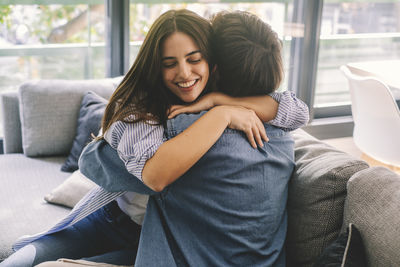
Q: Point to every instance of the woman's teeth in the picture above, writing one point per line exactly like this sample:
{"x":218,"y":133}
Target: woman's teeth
{"x":187,"y":84}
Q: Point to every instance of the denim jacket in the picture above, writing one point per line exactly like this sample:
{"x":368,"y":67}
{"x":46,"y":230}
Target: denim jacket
{"x":229,"y":209}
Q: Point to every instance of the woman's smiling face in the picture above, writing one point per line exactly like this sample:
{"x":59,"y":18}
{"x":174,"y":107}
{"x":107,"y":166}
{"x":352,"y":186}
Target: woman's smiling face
{"x":184,"y":70}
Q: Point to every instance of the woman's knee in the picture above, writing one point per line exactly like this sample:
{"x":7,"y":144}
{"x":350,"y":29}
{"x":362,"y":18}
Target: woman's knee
{"x":24,"y":257}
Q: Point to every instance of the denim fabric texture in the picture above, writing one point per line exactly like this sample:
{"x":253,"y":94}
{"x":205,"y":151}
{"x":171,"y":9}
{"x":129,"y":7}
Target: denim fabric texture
{"x":107,"y":235}
{"x":229,"y":209}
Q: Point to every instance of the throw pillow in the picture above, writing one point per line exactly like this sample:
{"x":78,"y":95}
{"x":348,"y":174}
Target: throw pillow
{"x":71,"y":190}
{"x":346,"y":251}
{"x":89,"y":120}
{"x":48,"y":112}
{"x":316,"y":195}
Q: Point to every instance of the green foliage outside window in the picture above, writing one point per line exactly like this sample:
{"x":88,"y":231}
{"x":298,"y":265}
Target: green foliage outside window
{"x":41,"y":24}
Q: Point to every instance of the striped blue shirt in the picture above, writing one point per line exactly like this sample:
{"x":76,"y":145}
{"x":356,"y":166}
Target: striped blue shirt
{"x":292,"y":112}
{"x":135,"y":142}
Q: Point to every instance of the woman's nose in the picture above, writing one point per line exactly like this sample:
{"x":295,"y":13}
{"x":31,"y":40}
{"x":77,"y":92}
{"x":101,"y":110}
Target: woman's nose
{"x":184,"y":71}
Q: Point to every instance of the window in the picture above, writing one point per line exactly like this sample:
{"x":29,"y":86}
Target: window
{"x":353,"y":31}
{"x":46,"y":40}
{"x":51,"y":39}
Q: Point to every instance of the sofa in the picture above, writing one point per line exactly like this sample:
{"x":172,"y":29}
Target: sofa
{"x":340,"y":210}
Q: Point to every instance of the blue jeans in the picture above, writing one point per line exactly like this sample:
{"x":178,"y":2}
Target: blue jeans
{"x":108,"y":235}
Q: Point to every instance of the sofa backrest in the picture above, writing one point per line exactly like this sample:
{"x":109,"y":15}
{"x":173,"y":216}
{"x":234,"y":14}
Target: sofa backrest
{"x":40,"y":119}
{"x":12,"y":140}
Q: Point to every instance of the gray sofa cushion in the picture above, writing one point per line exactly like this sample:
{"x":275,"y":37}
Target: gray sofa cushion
{"x":49,"y":111}
{"x":24,"y":182}
{"x":373,"y":205}
{"x":317,"y":191}
{"x":11,"y":124}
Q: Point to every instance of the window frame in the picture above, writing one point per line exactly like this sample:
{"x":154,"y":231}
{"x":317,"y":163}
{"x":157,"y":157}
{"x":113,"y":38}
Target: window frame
{"x":325,"y":122}
{"x":117,"y":37}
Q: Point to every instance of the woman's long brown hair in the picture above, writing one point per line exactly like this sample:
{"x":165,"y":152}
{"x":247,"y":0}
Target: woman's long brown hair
{"x":142,"y":92}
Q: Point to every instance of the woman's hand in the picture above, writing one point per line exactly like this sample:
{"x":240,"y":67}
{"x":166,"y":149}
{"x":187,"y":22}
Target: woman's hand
{"x":177,"y":155}
{"x":204,"y":103}
{"x":240,"y":118}
{"x":246,"y":120}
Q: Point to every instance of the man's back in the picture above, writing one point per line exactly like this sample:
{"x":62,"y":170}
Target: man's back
{"x":229,"y":208}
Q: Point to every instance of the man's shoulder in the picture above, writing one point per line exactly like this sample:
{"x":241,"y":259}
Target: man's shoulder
{"x":183,"y":121}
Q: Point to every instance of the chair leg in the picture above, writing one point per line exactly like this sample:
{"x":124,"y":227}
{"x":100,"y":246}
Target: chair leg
{"x":373,"y":162}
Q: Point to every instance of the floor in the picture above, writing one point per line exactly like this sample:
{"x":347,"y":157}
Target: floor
{"x":347,"y":144}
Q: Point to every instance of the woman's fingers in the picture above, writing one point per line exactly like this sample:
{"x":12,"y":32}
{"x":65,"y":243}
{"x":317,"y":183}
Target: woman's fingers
{"x":255,"y":130}
{"x":245,"y":120}
{"x":259,"y":132}
{"x":257,"y":136}
{"x":261,"y":128}
{"x":200,"y":105}
{"x":250,"y":137}
{"x":175,"y":107}
{"x":176,"y":110}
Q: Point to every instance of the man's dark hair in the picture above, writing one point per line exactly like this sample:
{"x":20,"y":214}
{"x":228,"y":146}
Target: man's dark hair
{"x":247,"y":53}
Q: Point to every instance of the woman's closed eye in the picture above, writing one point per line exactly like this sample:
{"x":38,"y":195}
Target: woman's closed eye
{"x":169,"y":64}
{"x":194,"y":61}
{"x":194,"y":58}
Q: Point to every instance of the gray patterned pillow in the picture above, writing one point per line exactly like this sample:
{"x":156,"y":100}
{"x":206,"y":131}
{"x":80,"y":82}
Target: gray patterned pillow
{"x":317,"y":191}
{"x":49,"y":111}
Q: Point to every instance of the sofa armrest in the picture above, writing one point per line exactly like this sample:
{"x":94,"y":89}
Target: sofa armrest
{"x":12,"y":142}
{"x":373,"y":205}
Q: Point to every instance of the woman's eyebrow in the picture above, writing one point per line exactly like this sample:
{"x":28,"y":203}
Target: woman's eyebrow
{"x":188,"y":54}
{"x":193,"y":52}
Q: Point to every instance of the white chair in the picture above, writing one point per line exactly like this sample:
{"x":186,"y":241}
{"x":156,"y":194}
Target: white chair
{"x":376,"y":118}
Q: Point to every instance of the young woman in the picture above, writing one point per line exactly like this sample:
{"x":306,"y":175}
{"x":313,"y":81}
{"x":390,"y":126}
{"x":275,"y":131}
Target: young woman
{"x":172,"y":67}
{"x":185,"y":70}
